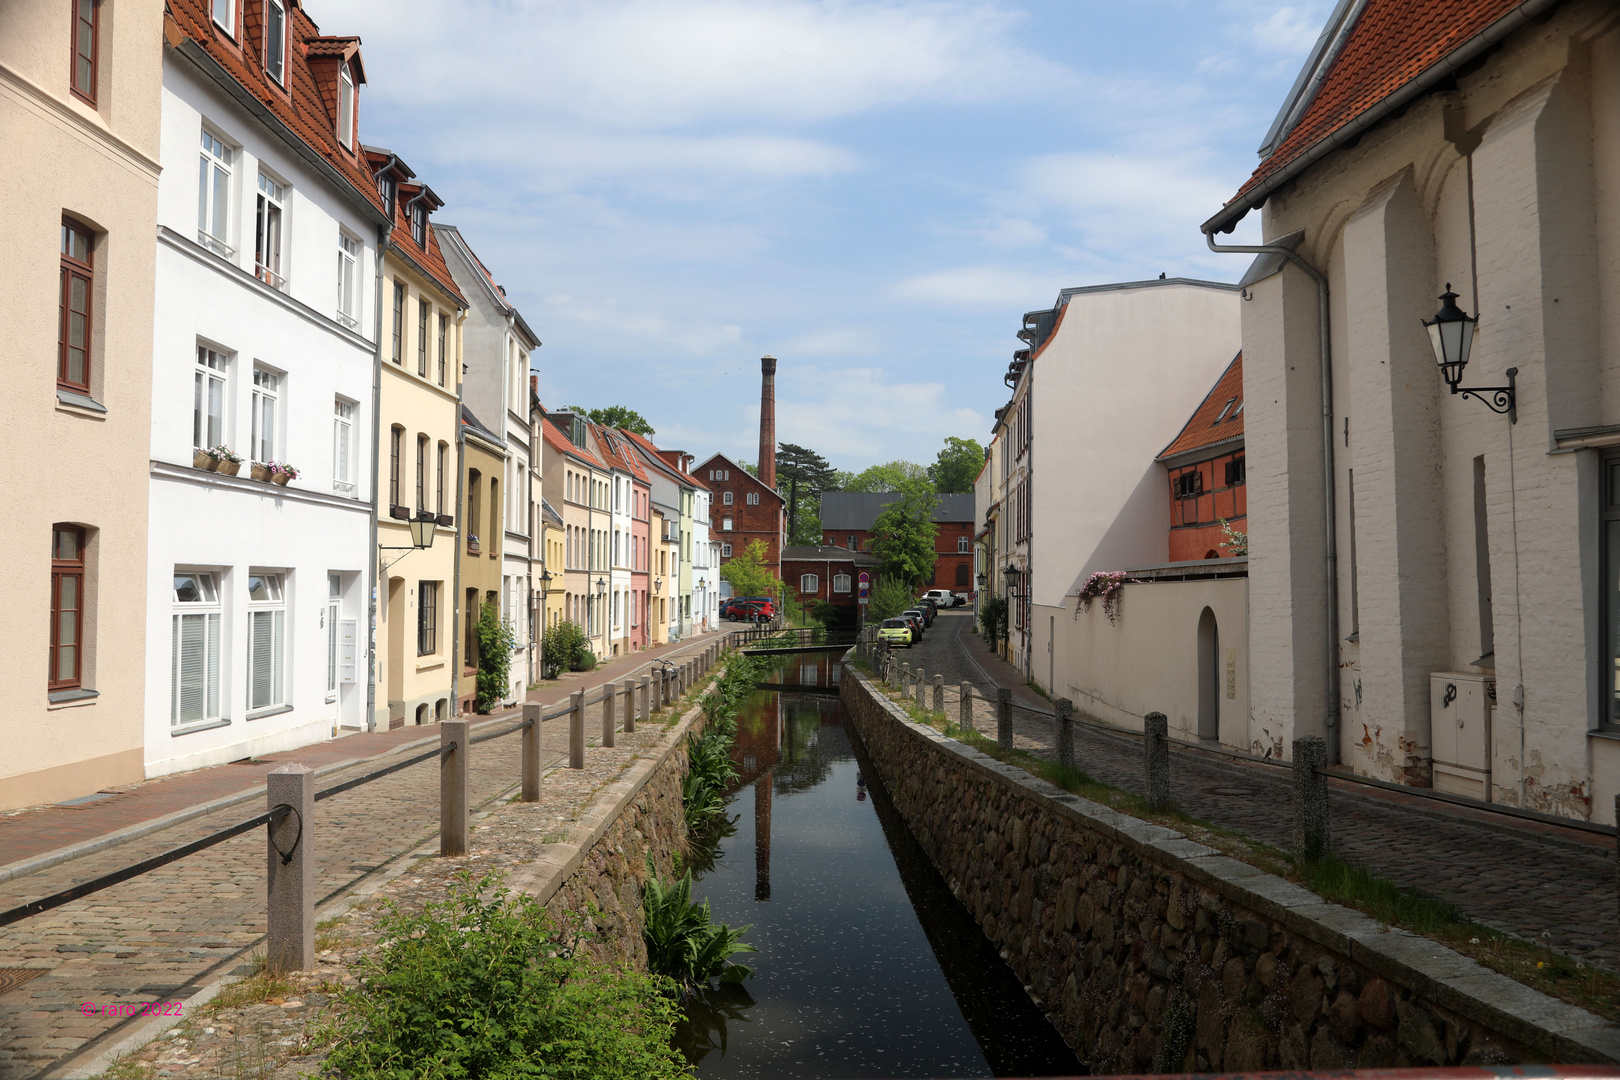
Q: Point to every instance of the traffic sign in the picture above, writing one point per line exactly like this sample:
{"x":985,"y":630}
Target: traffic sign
{"x":864,"y":578}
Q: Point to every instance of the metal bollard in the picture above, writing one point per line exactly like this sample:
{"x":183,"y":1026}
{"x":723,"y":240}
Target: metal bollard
{"x":939,"y":694}
{"x":629,"y":705}
{"x":1004,"y":717}
{"x":1156,"y":759}
{"x":1065,"y":732}
{"x":290,"y":892}
{"x":646,"y":697}
{"x":1311,"y":835}
{"x":454,"y":752}
{"x":576,"y":730}
{"x":531,"y":751}
{"x":609,"y":727}
{"x":965,"y":706}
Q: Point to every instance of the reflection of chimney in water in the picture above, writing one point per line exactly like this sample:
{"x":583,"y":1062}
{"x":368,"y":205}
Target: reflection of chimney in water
{"x":762,"y":836}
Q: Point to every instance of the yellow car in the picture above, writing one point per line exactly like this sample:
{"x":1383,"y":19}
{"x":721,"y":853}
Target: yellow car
{"x":895,"y":632}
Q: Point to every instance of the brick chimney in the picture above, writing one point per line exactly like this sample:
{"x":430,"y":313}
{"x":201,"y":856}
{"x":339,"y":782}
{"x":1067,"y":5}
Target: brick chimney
{"x":767,"y":422}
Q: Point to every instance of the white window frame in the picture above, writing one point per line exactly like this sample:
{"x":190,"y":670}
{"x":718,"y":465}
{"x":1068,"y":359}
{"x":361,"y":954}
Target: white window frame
{"x":345,"y":116}
{"x":270,"y":232}
{"x":348,"y":308}
{"x":334,"y":617}
{"x":275,"y":52}
{"x":725,"y":551}
{"x":727,"y":498}
{"x":206,"y":612}
{"x":227,"y":8}
{"x":209,"y":398}
{"x":269,"y":611}
{"x":963,"y":546}
{"x":725,"y":525}
{"x":810,"y":583}
{"x":841,"y":583}
{"x":265,"y":412}
{"x":215,"y":176}
{"x":343,"y":412}
{"x":753,"y":498}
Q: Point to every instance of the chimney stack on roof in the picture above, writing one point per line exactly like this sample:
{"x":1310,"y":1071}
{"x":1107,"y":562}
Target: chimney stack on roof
{"x":767,"y":422}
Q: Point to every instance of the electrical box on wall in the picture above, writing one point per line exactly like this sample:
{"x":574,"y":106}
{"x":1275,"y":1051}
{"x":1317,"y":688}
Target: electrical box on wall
{"x":1460,"y":711}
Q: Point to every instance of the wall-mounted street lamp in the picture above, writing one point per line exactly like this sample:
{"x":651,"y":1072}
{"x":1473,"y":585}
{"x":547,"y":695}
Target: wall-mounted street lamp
{"x":601,"y":586}
{"x":1012,"y":573}
{"x":658,"y":584}
{"x":1451,"y":335}
{"x":423,"y":526}
{"x":984,"y":579}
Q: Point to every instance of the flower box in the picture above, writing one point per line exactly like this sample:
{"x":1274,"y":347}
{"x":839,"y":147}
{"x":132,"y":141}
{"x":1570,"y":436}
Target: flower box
{"x":202,"y":459}
{"x":229,"y":468}
{"x":261,"y":472}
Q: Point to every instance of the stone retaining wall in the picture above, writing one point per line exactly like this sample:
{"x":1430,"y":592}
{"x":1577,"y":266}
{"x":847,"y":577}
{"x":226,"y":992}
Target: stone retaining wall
{"x":1151,"y":952}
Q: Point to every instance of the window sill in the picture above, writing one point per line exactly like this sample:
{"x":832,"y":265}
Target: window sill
{"x":428,"y":665}
{"x":194,"y":728}
{"x":76,"y":402}
{"x":1605,"y":733}
{"x":68,"y":697}
{"x":274,"y":710}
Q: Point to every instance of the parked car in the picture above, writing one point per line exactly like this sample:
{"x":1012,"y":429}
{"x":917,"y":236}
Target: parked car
{"x":963,"y":599}
{"x":917,"y":620}
{"x":751,"y":609}
{"x":727,"y":604}
{"x":926,"y":610}
{"x":896,"y":632}
{"x":945,"y":598}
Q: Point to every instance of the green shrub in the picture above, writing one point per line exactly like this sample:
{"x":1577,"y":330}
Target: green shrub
{"x":682,"y":943}
{"x":566,"y":648}
{"x":496,"y":640}
{"x":890,"y":598}
{"x":470,"y":987}
{"x":708,"y":771}
{"x":993,"y":619}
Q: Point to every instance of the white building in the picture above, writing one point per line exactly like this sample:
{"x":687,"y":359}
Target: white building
{"x":264,"y":342}
{"x":705,"y":597}
{"x":496,"y":343}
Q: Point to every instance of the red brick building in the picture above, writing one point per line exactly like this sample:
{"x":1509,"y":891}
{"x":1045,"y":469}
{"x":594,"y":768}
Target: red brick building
{"x":1206,"y":468}
{"x":744,"y":510}
{"x":815,"y":572}
{"x":846,"y":522}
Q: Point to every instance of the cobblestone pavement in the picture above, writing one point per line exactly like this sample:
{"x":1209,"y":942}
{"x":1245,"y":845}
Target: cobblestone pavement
{"x":161,"y":936}
{"x":1524,"y":879}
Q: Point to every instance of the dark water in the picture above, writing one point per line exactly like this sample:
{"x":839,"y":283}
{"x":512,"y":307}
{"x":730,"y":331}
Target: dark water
{"x":867,"y":965}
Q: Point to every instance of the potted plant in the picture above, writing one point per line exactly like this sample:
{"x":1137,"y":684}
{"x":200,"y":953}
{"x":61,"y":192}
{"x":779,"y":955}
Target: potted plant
{"x":204,"y":460}
{"x":281,"y":472}
{"x":472,"y":545}
{"x":225,"y":459}
{"x":260,"y":471}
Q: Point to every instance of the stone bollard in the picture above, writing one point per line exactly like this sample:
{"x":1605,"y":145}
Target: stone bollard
{"x":454,"y":753}
{"x":1156,"y":755}
{"x":922,"y":690}
{"x":576,"y":730}
{"x":965,"y":707}
{"x":1310,"y":797}
{"x":939,"y":694}
{"x":646,"y":697}
{"x":629,"y":705}
{"x":1004,"y":717}
{"x":531,"y":751}
{"x":291,"y":881}
{"x":1065,"y":732}
{"x":609,"y":726}
{"x":905,"y":678}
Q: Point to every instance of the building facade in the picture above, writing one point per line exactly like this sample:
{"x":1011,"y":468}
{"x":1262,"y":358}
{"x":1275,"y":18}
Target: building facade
{"x":76,"y":262}
{"x":821,"y":573}
{"x":573,"y":473}
{"x":1207,"y":474}
{"x":745,"y":509}
{"x":847,"y":518}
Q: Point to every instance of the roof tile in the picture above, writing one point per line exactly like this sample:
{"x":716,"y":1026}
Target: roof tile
{"x":1218,"y":418}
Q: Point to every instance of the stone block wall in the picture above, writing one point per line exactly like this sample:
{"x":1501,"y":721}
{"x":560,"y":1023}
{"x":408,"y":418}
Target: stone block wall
{"x":1150,"y":952}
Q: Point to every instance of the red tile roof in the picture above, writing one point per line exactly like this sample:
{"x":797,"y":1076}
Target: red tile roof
{"x":616,"y":453}
{"x":1392,"y":43}
{"x":308,"y":105}
{"x":1219,"y":418}
{"x":653,"y":454}
{"x":560,"y":443}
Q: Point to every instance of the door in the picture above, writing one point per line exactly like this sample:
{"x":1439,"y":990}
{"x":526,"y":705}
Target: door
{"x":1209,"y":676}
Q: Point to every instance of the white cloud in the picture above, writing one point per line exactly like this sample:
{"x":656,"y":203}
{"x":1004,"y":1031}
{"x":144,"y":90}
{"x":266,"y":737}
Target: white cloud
{"x":987,"y":287}
{"x":1290,"y":30}
{"x":692,"y":336}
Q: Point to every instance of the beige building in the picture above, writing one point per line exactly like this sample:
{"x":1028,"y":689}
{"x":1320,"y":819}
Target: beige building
{"x":581,"y":484}
{"x":483,"y":468}
{"x":421,"y":315}
{"x":79,"y":133}
{"x":1434,"y":575}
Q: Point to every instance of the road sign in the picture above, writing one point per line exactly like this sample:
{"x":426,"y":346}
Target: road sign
{"x":864,"y":578}
{"x":865,"y":592}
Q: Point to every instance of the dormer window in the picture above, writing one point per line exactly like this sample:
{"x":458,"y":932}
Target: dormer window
{"x":224,"y":12}
{"x":419,"y":225}
{"x":385,"y":188}
{"x":275,"y":40}
{"x":345,"y":117}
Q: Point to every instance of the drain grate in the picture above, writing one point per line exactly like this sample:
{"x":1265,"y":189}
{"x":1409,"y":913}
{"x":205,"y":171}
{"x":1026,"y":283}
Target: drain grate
{"x":11,"y":978}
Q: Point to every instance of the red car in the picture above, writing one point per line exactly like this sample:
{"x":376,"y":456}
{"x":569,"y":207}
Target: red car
{"x":754,"y":611}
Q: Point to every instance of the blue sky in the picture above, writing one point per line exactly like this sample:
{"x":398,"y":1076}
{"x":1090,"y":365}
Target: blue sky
{"x":874,"y":191}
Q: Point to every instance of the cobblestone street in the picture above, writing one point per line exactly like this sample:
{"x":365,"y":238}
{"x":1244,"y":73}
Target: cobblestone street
{"x":1516,"y":876}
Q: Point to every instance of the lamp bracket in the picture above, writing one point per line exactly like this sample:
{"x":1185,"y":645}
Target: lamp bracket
{"x":1498,"y":399}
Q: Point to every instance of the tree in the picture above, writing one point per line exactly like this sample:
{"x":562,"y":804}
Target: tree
{"x":802,"y":468}
{"x":748,"y":573}
{"x":957,"y":466}
{"x":886,"y":477}
{"x":617,"y":416}
{"x":890,"y":598}
{"x":904,"y":533}
{"x":496,"y":640}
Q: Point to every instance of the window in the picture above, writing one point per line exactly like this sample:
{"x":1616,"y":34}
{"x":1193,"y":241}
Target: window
{"x":348,"y":305}
{"x":840,"y":583}
{"x":438,"y":491}
{"x":725,"y":551}
{"x":395,"y":444}
{"x":342,"y":446}
{"x":267,"y":641}
{"x":421,"y":336}
{"x":214,"y":196}
{"x":809,"y":583}
{"x":225,"y":15}
{"x":399,"y":322}
{"x":725,"y":524}
{"x":1609,"y":673}
{"x":194,"y":696}
{"x":427,"y":618}
{"x":267,"y":233}
{"x":334,"y":604}
{"x":275,"y":39}
{"x":208,"y":399}
{"x":1236,"y":471}
{"x":67,"y":607}
{"x":419,"y":225}
{"x":753,"y":498}
{"x":385,"y":189}
{"x":86,"y":32}
{"x":345,"y":117}
{"x":444,"y":333}
{"x":1189,"y":484}
{"x":266,"y":392}
{"x":726,"y":498}
{"x":74,"y":310}
{"x":851,"y":542}
{"x":963,"y":545}
{"x":421,"y":472}
{"x":963,"y":576}
{"x":1224,"y":410}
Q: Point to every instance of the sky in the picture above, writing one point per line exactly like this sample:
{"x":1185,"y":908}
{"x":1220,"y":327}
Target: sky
{"x":873,"y":191}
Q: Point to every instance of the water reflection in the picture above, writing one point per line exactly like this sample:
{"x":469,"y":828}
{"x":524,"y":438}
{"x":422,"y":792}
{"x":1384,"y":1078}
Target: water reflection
{"x":868,"y":966}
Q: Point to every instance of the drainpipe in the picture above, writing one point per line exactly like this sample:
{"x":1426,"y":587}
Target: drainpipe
{"x":373,"y":572}
{"x":1329,"y":484}
{"x":461,"y":529}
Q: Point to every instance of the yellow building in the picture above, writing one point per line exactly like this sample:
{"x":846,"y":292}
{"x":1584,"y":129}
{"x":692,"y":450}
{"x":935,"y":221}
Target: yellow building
{"x":549,"y":581}
{"x":483,"y":463}
{"x":421,"y":314}
{"x":79,"y":111}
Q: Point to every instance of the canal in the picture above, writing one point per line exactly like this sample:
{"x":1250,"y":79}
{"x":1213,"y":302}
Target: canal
{"x":868,"y":966}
